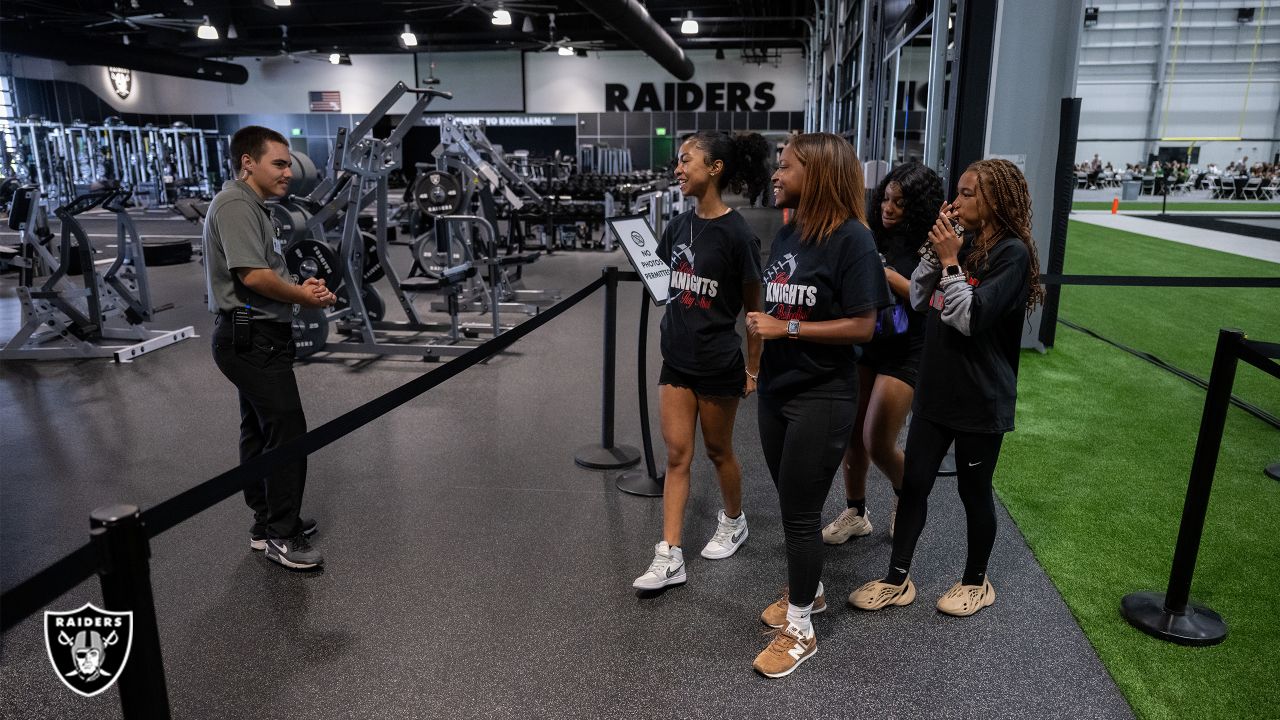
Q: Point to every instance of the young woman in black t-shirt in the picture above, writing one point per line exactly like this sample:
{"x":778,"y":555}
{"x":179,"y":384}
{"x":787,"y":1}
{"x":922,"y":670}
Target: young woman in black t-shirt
{"x":977,"y":292}
{"x":823,"y":285}
{"x":903,"y":208}
{"x":715,"y":273}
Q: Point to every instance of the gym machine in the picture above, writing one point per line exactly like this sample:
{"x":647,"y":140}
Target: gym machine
{"x":64,"y":321}
{"x":472,"y":179}
{"x":363,"y":165}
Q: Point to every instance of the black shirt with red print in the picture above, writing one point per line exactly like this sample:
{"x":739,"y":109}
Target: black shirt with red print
{"x":710,"y":262}
{"x":838,"y":278}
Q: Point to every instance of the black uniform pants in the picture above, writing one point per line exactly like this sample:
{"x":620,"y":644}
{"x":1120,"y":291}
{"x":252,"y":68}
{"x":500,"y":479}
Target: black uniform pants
{"x":803,"y":439}
{"x":976,"y":456}
{"x":270,"y":415}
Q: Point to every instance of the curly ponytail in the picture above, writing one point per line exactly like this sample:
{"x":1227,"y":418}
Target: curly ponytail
{"x":745,"y":157}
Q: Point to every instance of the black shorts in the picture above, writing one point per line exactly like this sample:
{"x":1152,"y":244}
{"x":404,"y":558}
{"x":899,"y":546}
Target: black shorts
{"x":898,"y":359}
{"x":724,"y":384}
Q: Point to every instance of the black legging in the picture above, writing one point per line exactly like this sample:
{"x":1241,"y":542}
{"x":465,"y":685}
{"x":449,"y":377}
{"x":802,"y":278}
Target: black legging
{"x":803,"y":440}
{"x":976,"y":455}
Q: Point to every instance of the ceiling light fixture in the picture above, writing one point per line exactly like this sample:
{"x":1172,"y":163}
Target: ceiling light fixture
{"x":126,"y":39}
{"x":407,"y":37}
{"x":335,"y":58}
{"x":501,"y":17}
{"x":282,"y":3}
{"x":689,"y":26}
{"x":565,"y":50}
{"x":527,"y":27}
{"x":207,"y":31}
{"x":231,"y":32}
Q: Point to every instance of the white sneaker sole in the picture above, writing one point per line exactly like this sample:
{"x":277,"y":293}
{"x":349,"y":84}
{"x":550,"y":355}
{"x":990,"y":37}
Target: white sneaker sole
{"x":677,"y":579}
{"x":721,"y":555}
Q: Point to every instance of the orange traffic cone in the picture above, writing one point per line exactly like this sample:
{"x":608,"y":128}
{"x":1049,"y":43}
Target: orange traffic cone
{"x":1115,"y":205}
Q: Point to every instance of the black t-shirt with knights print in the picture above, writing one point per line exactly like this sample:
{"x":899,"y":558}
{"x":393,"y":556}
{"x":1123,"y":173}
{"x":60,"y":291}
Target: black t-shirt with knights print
{"x":710,"y":262}
{"x":838,"y":278}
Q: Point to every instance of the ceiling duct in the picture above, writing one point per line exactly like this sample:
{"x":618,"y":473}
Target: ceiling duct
{"x":629,"y":19}
{"x":87,"y":52}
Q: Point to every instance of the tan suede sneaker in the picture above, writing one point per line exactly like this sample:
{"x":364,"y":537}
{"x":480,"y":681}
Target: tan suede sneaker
{"x":965,"y":600}
{"x":775,"y":616}
{"x":785,"y":652}
{"x":875,"y":595}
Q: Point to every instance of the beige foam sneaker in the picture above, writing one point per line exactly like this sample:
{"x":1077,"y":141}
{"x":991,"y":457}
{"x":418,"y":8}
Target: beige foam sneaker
{"x":875,"y":595}
{"x":785,"y":652}
{"x":965,"y":600}
{"x":848,"y":524}
{"x":775,"y":616}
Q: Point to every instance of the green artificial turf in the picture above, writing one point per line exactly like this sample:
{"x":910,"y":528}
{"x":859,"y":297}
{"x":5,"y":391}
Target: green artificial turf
{"x":1245,"y":206}
{"x":1096,"y":474}
{"x":1179,"y":325}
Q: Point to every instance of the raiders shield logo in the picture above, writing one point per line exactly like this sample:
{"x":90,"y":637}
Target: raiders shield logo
{"x":88,"y":646}
{"x":121,"y":81}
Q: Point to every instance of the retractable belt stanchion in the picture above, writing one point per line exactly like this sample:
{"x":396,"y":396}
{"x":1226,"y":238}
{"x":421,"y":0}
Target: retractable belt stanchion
{"x":124,"y":554}
{"x":649,"y":482}
{"x":1170,"y":615}
{"x":607,"y":456}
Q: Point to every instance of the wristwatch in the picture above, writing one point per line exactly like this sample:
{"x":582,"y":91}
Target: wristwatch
{"x":793,"y":329}
{"x":952,"y":271}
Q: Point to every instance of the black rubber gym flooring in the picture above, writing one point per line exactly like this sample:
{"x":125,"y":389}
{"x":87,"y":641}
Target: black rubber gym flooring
{"x":472,"y":569}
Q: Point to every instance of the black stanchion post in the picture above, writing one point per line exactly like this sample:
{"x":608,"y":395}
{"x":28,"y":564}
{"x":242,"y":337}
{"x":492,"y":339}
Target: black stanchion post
{"x":1164,"y":203}
{"x":117,"y":532}
{"x":606,"y":456}
{"x":636,"y":482}
{"x":1273,"y":471}
{"x":1170,"y":615}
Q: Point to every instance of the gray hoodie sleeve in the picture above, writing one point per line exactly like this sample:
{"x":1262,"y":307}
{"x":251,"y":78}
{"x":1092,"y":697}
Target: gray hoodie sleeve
{"x":957,"y":303}
{"x":923,"y":282}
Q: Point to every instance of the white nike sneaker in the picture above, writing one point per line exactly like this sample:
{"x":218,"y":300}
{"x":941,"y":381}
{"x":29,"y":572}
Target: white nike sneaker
{"x":666,"y":569}
{"x":848,"y":524}
{"x":728,"y":537}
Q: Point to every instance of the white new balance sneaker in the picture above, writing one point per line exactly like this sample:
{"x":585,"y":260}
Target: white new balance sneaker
{"x":728,"y":537}
{"x":666,"y":569}
{"x":848,"y":524}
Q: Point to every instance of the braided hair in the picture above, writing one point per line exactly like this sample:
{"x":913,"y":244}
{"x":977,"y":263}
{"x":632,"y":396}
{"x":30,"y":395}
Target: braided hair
{"x":1004,"y":190}
{"x":922,"y":196}
{"x":745,"y":157}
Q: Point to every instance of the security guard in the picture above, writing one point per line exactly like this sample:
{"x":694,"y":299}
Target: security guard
{"x":254,"y":296}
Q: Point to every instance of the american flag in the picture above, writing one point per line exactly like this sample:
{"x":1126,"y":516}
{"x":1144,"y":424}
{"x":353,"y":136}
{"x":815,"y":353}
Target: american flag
{"x":325,"y":101}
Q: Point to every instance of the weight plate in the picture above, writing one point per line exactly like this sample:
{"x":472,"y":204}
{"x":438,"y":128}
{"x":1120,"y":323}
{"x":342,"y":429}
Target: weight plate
{"x":310,"y":258}
{"x":373,"y":271}
{"x":291,"y":218}
{"x":305,"y":175}
{"x":310,"y":331}
{"x":373,"y":302}
{"x":438,"y":193}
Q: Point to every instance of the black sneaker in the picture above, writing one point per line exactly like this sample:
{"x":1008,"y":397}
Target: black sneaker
{"x":258,"y":538}
{"x":295,"y":552}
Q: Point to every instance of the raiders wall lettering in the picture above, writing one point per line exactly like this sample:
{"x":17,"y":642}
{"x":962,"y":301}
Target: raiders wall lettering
{"x":712,"y":97}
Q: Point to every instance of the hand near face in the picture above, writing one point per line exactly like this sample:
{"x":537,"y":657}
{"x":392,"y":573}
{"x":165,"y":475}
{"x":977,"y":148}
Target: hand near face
{"x":942,"y":235}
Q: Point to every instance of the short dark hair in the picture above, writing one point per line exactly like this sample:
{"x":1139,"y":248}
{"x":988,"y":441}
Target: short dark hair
{"x":252,"y":140}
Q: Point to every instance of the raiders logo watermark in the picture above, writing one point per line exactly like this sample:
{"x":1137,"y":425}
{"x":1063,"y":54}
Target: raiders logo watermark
{"x":88,"y":646}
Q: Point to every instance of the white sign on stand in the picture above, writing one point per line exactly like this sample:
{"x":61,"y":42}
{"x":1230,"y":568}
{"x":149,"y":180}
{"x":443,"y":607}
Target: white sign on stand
{"x":637,"y":240}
